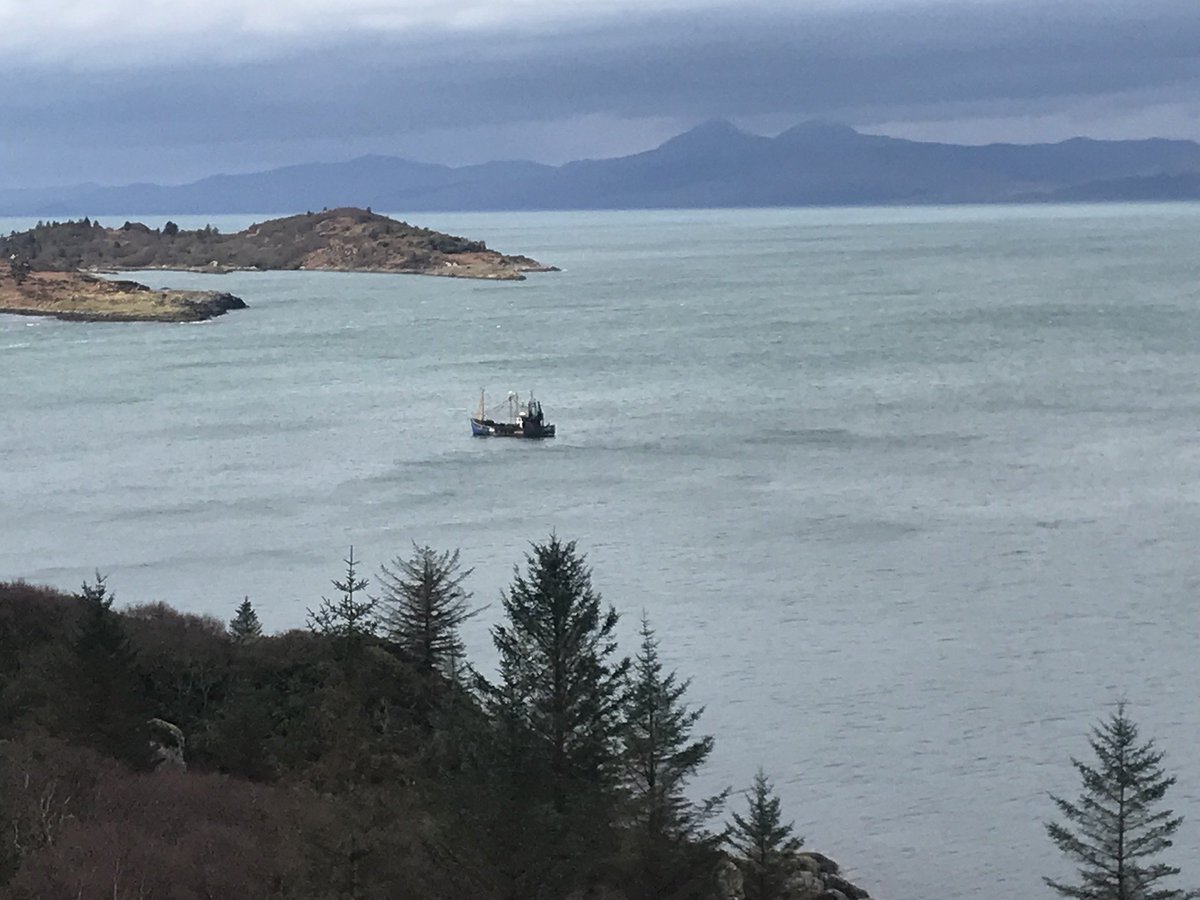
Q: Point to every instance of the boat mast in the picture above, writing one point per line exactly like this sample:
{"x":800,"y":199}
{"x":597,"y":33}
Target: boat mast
{"x":482,"y":415}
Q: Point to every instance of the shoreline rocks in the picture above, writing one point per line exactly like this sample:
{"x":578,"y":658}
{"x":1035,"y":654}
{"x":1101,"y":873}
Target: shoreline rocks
{"x":814,"y":877}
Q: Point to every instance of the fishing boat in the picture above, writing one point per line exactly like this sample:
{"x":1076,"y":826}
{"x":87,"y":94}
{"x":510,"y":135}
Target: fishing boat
{"x":523,"y":420}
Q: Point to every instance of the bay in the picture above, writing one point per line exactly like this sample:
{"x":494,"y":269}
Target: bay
{"x":912,"y":494}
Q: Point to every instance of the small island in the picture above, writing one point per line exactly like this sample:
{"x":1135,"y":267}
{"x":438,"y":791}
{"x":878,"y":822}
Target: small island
{"x":49,"y":267}
{"x":339,"y":240}
{"x":77,"y":296}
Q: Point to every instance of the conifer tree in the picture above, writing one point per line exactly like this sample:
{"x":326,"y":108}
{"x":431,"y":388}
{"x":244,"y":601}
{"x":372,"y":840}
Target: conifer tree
{"x":556,"y":663}
{"x":557,"y":714}
{"x":111,"y":709}
{"x":100,"y":633}
{"x":422,"y":607}
{"x":660,"y":756}
{"x":1113,"y":830}
{"x":244,"y":626}
{"x":349,"y":620}
{"x":764,"y":845}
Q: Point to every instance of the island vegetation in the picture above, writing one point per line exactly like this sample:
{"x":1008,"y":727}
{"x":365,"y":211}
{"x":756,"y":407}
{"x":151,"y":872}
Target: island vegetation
{"x":341,"y":240}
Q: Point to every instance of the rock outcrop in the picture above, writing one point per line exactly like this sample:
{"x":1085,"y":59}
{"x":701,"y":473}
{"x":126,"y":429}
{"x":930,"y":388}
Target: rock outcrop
{"x":166,"y":746}
{"x":730,"y":885}
{"x":814,"y":876}
{"x":817,"y":877}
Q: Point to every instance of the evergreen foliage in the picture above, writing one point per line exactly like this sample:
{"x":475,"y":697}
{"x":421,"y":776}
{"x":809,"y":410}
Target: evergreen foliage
{"x":660,"y":756}
{"x":379,"y":243}
{"x":101,"y":636}
{"x":104,"y":709}
{"x":559,"y":680}
{"x":19,"y":269}
{"x":557,"y":714}
{"x":765,"y":847}
{"x":422,"y":607}
{"x":1113,"y":831}
{"x":244,"y":626}
{"x":567,"y":778}
{"x":348,"y":620}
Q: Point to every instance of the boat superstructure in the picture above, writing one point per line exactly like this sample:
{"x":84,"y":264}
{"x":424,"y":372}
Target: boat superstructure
{"x":521,"y":419}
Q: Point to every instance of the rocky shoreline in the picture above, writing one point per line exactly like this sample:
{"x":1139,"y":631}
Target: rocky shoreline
{"x":814,"y":876}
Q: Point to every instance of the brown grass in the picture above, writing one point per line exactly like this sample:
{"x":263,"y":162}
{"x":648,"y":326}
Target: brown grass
{"x":71,"y":295}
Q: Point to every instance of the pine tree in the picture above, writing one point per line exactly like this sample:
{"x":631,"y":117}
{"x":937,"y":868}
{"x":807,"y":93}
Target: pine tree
{"x":557,"y":710}
{"x":349,"y":621}
{"x":765,"y":847}
{"x":659,"y":758}
{"x":111,"y":710}
{"x":244,"y":626}
{"x":1112,"y":831}
{"x":556,"y":662}
{"x":101,"y":635}
{"x":422,"y":607}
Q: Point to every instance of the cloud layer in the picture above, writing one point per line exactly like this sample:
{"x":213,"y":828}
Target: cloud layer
{"x":179,"y":89}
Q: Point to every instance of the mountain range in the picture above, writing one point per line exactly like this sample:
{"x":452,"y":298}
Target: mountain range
{"x":713,"y":165}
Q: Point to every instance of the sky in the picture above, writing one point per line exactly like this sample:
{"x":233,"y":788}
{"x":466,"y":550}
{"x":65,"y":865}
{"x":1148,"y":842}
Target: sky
{"x":116,"y":91}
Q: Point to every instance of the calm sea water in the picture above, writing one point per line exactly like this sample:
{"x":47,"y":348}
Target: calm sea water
{"x":914,"y":495}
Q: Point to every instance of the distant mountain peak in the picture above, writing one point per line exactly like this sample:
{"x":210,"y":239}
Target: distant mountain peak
{"x":817,"y":130}
{"x":709,"y":136}
{"x":710,"y":131}
{"x":714,"y":126}
{"x":715,"y":164}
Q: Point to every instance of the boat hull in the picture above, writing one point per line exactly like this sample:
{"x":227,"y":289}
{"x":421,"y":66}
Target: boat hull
{"x":490,"y":428}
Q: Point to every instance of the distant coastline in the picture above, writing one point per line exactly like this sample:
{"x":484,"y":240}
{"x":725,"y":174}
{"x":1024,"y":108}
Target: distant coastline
{"x":715,"y":165}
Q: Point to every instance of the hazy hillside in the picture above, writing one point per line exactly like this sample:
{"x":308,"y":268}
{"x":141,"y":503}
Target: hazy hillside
{"x":713,"y":165}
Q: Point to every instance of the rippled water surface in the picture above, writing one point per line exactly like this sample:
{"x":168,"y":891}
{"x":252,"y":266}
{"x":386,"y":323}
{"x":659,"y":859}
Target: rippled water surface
{"x":914,"y":495}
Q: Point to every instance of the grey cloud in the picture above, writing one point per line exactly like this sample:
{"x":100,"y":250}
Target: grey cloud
{"x":859,"y":65}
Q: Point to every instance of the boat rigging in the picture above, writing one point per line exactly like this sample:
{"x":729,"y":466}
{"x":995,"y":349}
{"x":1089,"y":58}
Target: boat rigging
{"x":524,"y":419}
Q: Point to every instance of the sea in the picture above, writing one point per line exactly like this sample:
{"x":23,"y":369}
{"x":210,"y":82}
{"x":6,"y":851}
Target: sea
{"x":911,"y":495}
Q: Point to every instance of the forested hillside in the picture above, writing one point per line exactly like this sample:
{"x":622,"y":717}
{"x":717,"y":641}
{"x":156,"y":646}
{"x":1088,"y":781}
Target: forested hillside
{"x":148,"y":753}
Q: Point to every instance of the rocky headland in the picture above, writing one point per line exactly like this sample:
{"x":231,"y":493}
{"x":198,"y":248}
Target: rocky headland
{"x":340,"y":240}
{"x":80,"y":296}
{"x":49,"y":269}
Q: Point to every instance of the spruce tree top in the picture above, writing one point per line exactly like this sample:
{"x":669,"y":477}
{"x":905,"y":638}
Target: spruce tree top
{"x":661,"y":754}
{"x":1113,"y":831}
{"x":561,"y":679}
{"x":245,"y":625}
{"x":765,"y":847}
{"x":422,"y":606}
{"x":101,"y":632}
{"x":349,"y":620}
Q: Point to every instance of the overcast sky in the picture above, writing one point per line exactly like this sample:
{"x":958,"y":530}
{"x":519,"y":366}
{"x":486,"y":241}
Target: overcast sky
{"x":170,"y":90}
